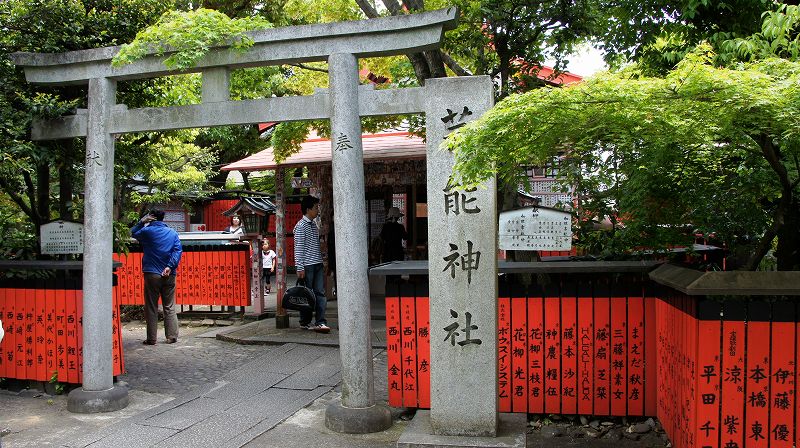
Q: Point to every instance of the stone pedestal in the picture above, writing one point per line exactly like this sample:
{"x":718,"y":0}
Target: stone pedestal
{"x":82,"y":401}
{"x":347,"y":420}
{"x":512,"y":432}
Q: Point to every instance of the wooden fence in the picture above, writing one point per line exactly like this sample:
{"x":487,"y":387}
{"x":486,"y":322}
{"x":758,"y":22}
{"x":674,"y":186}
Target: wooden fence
{"x":569,"y":348}
{"x":212,"y":214}
{"x":726,"y":372}
{"x":44,"y":330}
{"x":207,"y":275}
{"x":717,"y":373}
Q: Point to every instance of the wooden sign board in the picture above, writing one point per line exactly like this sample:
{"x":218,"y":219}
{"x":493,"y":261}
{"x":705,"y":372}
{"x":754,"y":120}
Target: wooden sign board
{"x":61,"y":237}
{"x":535,"y":228}
{"x":176,"y":219}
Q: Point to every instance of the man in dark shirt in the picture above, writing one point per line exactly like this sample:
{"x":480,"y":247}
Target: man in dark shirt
{"x":162,"y":253}
{"x":393,"y":233}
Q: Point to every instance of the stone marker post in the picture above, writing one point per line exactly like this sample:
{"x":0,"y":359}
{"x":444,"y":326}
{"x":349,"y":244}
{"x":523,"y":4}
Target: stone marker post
{"x":462,"y":235}
{"x":357,"y":411}
{"x":98,"y":393}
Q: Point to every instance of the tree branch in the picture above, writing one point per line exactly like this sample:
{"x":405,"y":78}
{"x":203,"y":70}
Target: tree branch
{"x":414,"y":5}
{"x":765,"y":243}
{"x":11,"y":191}
{"x":454,"y":66}
{"x":420,"y":64}
{"x":434,"y":59}
{"x":31,"y":196}
{"x":308,"y":67}
{"x":366,"y":6}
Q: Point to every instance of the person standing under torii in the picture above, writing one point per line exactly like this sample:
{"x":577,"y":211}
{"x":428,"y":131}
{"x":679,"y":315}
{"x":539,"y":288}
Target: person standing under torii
{"x":308,"y":260}
{"x":393,"y":234}
{"x":162,"y":254}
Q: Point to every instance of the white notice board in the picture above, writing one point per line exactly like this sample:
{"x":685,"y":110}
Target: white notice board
{"x":535,"y":228}
{"x":61,"y":237}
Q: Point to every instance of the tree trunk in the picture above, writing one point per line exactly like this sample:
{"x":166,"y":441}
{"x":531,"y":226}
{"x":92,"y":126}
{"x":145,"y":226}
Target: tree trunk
{"x":42,"y":192}
{"x":65,"y":180}
{"x":773,"y":156}
{"x":505,"y":62}
{"x":788,"y":253}
{"x":429,"y":64}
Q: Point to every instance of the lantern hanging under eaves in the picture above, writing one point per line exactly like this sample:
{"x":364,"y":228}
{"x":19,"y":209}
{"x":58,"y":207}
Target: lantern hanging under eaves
{"x":251,"y":221}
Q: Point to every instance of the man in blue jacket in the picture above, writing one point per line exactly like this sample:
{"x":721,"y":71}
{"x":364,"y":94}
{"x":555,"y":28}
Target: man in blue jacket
{"x":162,"y":253}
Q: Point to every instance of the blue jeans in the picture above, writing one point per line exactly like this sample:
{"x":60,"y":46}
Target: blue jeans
{"x":315,"y":282}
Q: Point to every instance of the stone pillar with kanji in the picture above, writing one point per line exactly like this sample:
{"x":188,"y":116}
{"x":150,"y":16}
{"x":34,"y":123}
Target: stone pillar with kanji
{"x":462,"y":248}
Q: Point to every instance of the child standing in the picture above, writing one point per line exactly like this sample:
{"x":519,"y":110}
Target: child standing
{"x":268,"y":260}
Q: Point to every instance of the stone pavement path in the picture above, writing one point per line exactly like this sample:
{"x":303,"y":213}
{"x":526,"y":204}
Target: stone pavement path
{"x":235,"y":408}
{"x":174,"y":369}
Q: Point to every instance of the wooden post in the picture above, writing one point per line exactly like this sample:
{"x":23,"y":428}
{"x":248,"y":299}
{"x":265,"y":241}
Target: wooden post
{"x":281,"y":318}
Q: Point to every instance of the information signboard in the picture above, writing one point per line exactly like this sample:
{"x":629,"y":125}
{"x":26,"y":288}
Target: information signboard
{"x":61,"y":237}
{"x":535,"y":228}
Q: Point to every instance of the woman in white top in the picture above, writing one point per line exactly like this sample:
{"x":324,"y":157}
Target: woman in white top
{"x":235,"y":227}
{"x":268,"y":260}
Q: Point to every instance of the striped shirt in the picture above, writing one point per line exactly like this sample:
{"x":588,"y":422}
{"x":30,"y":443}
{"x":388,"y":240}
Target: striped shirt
{"x":306,"y":244}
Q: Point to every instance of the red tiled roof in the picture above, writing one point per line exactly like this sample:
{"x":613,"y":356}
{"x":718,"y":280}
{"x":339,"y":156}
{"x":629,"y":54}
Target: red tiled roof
{"x":564,"y":78}
{"x":382,"y":146}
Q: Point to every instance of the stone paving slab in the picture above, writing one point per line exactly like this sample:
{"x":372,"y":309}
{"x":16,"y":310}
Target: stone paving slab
{"x":267,"y":402}
{"x":214,"y":431}
{"x":264,"y":332}
{"x":324,"y":371}
{"x":273,"y":420}
{"x":188,"y":414}
{"x":240,"y":390}
{"x":126,"y":425}
{"x":299,"y":357}
{"x":134,"y":437}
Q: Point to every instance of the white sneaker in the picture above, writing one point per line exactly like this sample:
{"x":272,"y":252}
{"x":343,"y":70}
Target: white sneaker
{"x":322,"y":328}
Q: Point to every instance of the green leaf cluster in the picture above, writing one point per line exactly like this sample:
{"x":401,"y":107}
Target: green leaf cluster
{"x":779,"y":36}
{"x":659,"y":156}
{"x":188,"y":35}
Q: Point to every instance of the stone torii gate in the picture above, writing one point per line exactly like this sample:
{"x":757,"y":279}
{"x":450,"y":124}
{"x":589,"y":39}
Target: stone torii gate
{"x":463,"y":283}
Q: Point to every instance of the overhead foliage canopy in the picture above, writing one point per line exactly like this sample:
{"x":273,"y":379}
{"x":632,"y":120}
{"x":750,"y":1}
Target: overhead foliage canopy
{"x":188,"y":35}
{"x":714,"y":148}
{"x":659,"y":33}
{"x":779,"y":36}
{"x":43,"y":179}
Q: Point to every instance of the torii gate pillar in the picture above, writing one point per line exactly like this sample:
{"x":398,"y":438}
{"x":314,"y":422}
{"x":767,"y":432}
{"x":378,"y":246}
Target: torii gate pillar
{"x":98,"y":393}
{"x":357,"y":411}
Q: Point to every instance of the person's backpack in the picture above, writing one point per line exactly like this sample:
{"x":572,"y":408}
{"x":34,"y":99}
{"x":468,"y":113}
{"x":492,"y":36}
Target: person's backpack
{"x":299,"y":298}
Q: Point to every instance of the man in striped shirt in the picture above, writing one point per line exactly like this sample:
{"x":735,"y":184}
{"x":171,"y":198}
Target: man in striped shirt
{"x":308,"y":260}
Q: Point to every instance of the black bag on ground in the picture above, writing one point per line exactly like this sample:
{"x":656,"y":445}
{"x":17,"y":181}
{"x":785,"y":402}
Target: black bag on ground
{"x":299,"y":298}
